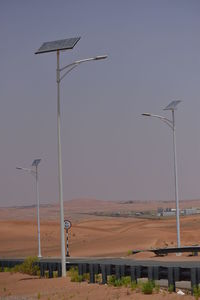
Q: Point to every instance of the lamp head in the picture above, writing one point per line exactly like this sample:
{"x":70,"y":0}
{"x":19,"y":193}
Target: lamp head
{"x":100,"y":57}
{"x":146,"y":114}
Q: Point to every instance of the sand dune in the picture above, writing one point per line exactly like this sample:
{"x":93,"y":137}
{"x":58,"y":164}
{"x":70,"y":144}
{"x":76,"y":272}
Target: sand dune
{"x":91,"y":235}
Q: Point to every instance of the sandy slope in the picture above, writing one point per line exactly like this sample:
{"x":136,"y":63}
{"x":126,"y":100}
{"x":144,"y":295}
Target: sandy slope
{"x":89,"y":236}
{"x":96,"y":237}
{"x":21,"y":287}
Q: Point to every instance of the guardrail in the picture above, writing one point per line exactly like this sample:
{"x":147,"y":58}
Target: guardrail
{"x":172,"y":274}
{"x":155,"y":271}
{"x":164,"y":251}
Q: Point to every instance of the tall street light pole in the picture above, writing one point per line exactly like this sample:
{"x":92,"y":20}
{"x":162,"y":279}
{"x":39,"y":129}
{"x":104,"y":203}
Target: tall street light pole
{"x":171,"y":123}
{"x":35,"y":173}
{"x":50,"y":47}
{"x":68,"y":69}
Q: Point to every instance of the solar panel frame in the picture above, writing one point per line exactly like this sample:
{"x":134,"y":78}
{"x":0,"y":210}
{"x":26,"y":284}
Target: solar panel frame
{"x":36,"y":162}
{"x":172,"y":105}
{"x":65,"y":44}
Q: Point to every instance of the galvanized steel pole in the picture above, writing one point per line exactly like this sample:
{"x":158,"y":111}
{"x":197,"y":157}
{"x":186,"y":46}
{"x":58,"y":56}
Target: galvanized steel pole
{"x":176,"y":183}
{"x":38,"y":211}
{"x":60,"y":180}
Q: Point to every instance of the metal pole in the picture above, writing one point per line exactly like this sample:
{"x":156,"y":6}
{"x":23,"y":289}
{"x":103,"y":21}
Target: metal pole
{"x":176,"y":183}
{"x":60,"y":181}
{"x":38,"y":211}
{"x":67,"y":242}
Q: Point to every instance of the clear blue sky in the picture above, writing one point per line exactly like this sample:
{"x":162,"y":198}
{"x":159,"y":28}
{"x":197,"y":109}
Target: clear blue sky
{"x":109,"y":151}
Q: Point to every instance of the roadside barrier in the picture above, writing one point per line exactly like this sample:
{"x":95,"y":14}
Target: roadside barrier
{"x":165,"y":251}
{"x":155,"y":271}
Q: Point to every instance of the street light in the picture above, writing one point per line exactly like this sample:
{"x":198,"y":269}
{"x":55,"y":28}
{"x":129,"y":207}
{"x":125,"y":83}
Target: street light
{"x":171,"y":123}
{"x":35,"y":173}
{"x":60,"y":46}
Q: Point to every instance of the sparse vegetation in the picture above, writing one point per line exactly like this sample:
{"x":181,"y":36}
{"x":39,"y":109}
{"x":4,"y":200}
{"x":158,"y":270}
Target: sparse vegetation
{"x":46,"y":274}
{"x":29,"y":266}
{"x":171,"y":288}
{"x":55,"y":274}
{"x":124,"y":281}
{"x":98,"y":278}
{"x":134,"y":285}
{"x":6,"y":269}
{"x":129,"y":252}
{"x":86,"y":277}
{"x":112,"y":280}
{"x":157,"y":288}
{"x":75,"y":277}
{"x":147,"y":287}
{"x":196,"y":292}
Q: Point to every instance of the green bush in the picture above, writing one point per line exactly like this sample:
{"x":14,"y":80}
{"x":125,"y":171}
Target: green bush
{"x":7,"y":269}
{"x":111,"y":279}
{"x":29,"y":266}
{"x":73,"y":273}
{"x":118,"y":283}
{"x":126,"y":281}
{"x":196,"y":292}
{"x":86,"y":277}
{"x":129,"y":252}
{"x":46,"y":274}
{"x":55,"y":274}
{"x":134,"y":285}
{"x":171,"y":288}
{"x":98,"y":278}
{"x":147,"y":287}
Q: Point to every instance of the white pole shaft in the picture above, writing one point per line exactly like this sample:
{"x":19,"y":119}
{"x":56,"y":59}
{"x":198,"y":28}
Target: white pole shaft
{"x":176,"y":183}
{"x":60,"y":181}
{"x":38,"y":211}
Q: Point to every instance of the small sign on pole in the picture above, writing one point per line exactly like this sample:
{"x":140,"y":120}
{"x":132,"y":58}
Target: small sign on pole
{"x":67,"y":226}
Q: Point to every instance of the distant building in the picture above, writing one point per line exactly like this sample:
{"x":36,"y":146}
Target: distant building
{"x":190,"y":211}
{"x":168,"y":212}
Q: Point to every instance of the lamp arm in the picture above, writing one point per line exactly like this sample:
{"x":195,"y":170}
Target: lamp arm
{"x":72,"y":67}
{"x":33,"y":172}
{"x":67,"y":66}
{"x":168,"y":122}
{"x":165,"y":120}
{"x":75,"y":63}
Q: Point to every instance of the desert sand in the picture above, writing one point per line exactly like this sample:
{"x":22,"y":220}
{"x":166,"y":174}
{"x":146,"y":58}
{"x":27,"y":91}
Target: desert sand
{"x":23,"y":287}
{"x":90,"y":236}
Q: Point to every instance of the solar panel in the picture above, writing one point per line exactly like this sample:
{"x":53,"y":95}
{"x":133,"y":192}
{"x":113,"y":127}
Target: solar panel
{"x":36,"y":162}
{"x":58,"y":45}
{"x":172,"y":105}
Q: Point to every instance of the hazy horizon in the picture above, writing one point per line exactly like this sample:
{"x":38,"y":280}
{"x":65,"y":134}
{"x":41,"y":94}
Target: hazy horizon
{"x":56,"y":203}
{"x":109,"y":151}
